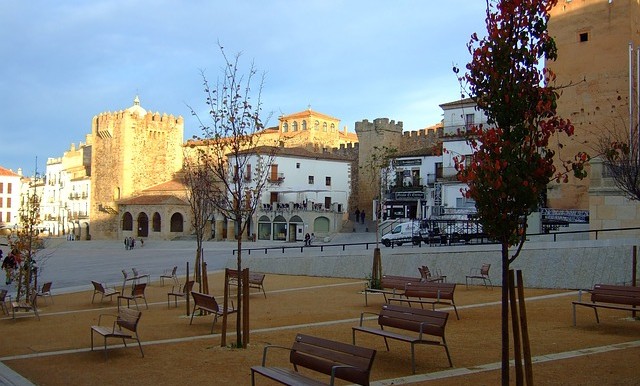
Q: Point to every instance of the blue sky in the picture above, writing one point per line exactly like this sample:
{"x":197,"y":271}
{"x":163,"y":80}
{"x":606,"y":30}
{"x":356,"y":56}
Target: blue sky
{"x":66,"y":61}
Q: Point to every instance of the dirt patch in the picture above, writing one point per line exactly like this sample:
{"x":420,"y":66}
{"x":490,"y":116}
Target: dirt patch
{"x":176,"y":352}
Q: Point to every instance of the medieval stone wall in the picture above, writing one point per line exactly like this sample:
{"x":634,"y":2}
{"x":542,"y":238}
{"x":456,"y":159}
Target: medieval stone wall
{"x":130,"y":152}
{"x":593,"y":38}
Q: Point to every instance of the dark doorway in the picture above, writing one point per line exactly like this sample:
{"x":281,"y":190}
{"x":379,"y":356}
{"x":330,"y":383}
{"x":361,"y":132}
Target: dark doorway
{"x":143,"y":225}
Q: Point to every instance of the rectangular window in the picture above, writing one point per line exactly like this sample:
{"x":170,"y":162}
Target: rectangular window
{"x":8,"y":202}
{"x":0,"y":202}
{"x":584,"y":37}
{"x":469,"y":121}
{"x":1,"y":187}
{"x":8,"y":219}
{"x":247,"y":176}
{"x":327,"y":181}
{"x":438,"y":169}
{"x":9,"y":188}
{"x":274,"y":173}
{"x":297,"y":165}
{"x":310,"y":180}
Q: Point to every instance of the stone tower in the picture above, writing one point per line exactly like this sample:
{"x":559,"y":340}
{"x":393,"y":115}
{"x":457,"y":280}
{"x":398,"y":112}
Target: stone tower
{"x":133,"y":149}
{"x":380,"y":132}
{"x":593,"y":39}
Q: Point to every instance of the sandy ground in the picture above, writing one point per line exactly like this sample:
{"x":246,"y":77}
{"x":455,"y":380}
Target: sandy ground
{"x":55,"y":350}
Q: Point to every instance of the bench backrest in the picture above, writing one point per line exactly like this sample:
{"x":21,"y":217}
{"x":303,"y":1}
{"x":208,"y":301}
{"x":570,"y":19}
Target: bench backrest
{"x":46,"y":287}
{"x":205,"y":301}
{"x":128,"y":319}
{"x":188,"y":286}
{"x":413,"y":319}
{"x":432,"y":290}
{"x":617,"y":294}
{"x":257,"y":278}
{"x":98,"y":287}
{"x":321,"y":354}
{"x":484,"y":270}
{"x":397,"y":282}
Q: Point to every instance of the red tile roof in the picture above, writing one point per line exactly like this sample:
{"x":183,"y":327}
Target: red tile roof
{"x":7,"y":173}
{"x":162,"y":199}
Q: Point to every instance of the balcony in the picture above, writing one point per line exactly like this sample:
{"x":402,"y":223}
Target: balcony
{"x":276,"y":178}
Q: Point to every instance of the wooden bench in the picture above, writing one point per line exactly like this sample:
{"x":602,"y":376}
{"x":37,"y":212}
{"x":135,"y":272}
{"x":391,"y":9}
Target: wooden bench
{"x":124,"y":327}
{"x":98,"y":288}
{"x":426,"y":323}
{"x":390,"y":285}
{"x":429,"y":293}
{"x":256,"y":280}
{"x":339,"y":360}
{"x":615,"y":297}
{"x":208,"y":303}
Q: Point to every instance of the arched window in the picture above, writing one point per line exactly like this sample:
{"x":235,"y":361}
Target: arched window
{"x":176,"y":223}
{"x":321,"y":224}
{"x":316,"y":125}
{"x":285,"y":127}
{"x":127,"y":222}
{"x":294,"y":125}
{"x":304,"y":125}
{"x":333,"y":127}
{"x":156,"y":222}
{"x":264,"y":228}
{"x":324,"y":127}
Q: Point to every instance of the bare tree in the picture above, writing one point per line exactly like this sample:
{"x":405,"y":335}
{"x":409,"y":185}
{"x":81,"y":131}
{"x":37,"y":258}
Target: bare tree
{"x":199,"y":181}
{"x":24,"y":243}
{"x":621,"y":157}
{"x":376,"y":169}
{"x":227,"y":148}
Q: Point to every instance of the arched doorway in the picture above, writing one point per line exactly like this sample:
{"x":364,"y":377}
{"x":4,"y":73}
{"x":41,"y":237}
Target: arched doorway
{"x":176,"y":223}
{"x":296,"y":229}
{"x":321,"y":225}
{"x":280,"y":228}
{"x":143,"y":225}
{"x":156,"y":222}
{"x":127,"y":222}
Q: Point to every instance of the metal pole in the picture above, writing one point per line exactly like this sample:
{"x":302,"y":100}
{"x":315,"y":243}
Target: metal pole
{"x":630,"y":92}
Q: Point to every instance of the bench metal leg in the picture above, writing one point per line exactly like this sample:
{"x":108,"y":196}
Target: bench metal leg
{"x":413,"y":357}
{"x":446,"y":348}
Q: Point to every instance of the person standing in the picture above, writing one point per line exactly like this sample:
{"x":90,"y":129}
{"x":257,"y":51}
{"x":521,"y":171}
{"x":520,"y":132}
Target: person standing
{"x":357,"y":215}
{"x":362,"y":216}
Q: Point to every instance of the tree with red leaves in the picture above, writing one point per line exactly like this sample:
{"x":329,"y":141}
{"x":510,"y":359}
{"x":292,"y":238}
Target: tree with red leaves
{"x":511,"y":163}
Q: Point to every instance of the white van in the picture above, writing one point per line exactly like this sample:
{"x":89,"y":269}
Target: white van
{"x":401,"y":233}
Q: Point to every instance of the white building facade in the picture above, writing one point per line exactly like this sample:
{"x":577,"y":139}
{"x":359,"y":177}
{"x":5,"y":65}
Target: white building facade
{"x":307,"y":192}
{"x":10,"y":189}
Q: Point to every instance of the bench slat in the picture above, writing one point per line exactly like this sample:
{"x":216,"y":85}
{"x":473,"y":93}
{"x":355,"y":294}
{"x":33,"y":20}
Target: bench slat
{"x":286,"y":376}
{"x":322,"y":355}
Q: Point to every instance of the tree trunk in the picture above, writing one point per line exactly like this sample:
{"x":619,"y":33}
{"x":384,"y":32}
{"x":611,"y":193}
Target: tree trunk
{"x":239,"y":292}
{"x":505,"y":314}
{"x":376,"y":274}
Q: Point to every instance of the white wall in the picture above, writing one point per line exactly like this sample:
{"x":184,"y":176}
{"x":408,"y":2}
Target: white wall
{"x":296,"y":187}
